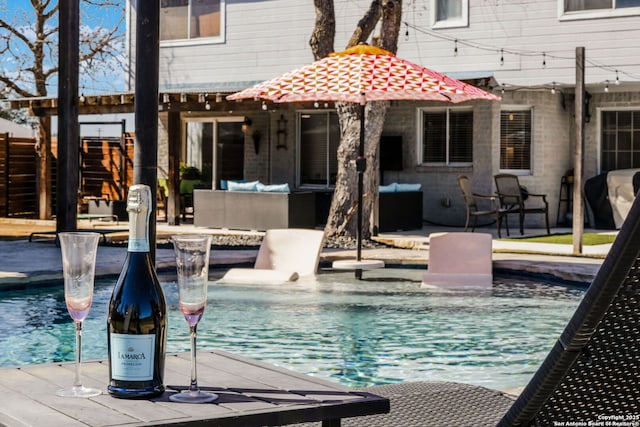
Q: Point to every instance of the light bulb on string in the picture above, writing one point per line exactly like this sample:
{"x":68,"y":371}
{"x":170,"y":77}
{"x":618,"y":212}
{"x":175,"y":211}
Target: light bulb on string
{"x":455,"y":47}
{"x":617,"y":79}
{"x":544,"y":59}
{"x":553,"y":88}
{"x":501,"y":56}
{"x":502,"y":89}
{"x":264,"y":106}
{"x":606,"y":86}
{"x":316,"y":104}
{"x":406,"y":32}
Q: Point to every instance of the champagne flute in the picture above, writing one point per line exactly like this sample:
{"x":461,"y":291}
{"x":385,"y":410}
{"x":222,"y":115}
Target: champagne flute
{"x":78,"y":265}
{"x":192,"y":264}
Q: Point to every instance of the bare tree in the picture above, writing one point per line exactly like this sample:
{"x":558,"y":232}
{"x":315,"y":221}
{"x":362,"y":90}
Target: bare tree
{"x":29,"y":50}
{"x":342,"y":215}
{"x":29,"y":46}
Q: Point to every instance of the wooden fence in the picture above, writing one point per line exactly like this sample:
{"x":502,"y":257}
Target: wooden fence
{"x":18,"y":168}
{"x":106,"y":167}
{"x":106,"y":171}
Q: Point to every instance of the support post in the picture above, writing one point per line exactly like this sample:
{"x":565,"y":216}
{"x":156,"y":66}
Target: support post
{"x":173,"y":179}
{"x":145,"y":152}
{"x":578,"y":206}
{"x":68,"y":127}
{"x":44,"y":168}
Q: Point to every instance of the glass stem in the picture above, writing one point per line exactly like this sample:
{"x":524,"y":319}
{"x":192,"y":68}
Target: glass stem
{"x":77,"y":383}
{"x":193,"y":387}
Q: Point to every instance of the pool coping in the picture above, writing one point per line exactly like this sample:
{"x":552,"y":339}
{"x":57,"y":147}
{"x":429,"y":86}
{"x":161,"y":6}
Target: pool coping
{"x":27,"y":264}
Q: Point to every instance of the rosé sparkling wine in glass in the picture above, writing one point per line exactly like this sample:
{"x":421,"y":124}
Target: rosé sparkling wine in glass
{"x":78,"y":266}
{"x":192,"y":264}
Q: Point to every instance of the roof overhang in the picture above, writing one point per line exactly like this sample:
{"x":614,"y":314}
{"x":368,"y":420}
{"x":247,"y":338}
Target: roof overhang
{"x":188,"y":98}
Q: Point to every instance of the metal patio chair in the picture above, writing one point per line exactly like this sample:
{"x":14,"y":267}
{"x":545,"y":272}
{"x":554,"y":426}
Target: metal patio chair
{"x":471,"y":201}
{"x":592,"y":371}
{"x":512,"y":199}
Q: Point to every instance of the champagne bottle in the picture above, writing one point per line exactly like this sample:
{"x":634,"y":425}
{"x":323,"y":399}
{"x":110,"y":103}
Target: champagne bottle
{"x":137,"y":319}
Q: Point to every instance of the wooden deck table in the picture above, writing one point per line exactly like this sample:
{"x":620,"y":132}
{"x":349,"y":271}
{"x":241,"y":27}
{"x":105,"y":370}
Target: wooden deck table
{"x":252,"y":393}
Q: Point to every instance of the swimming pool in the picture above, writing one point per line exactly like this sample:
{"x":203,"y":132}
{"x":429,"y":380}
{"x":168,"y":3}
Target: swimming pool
{"x":382,"y":329}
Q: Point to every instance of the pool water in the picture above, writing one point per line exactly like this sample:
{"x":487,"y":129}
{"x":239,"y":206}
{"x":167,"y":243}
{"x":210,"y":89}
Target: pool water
{"x":379,"y":330}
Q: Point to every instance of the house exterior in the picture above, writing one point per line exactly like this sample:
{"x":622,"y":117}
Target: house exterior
{"x":523,"y":51}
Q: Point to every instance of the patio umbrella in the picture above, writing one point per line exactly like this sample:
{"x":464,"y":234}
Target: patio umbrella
{"x":360,"y":74}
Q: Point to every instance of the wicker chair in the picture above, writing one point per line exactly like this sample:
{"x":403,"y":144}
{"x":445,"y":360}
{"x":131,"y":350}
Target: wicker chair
{"x":471,"y":201}
{"x":591,"y":372}
{"x":512,"y":199}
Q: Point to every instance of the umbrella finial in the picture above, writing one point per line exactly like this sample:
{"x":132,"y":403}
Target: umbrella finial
{"x":362,"y":49}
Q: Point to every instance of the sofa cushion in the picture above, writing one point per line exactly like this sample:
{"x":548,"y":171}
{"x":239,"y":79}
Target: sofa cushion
{"x":390,"y":188}
{"x":242,"y":186}
{"x":273,"y":188}
{"x":407,"y":187}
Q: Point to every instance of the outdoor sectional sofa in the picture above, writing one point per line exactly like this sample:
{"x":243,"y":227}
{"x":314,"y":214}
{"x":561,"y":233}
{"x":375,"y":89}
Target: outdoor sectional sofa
{"x":252,"y":210}
{"x":267,"y":209}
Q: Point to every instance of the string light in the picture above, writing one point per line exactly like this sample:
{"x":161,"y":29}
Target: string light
{"x":501,"y":56}
{"x":264,"y":106}
{"x":455,"y":48}
{"x":406,"y":33}
{"x":502,"y":89}
{"x":606,"y":86}
{"x":617,"y":79}
{"x":553,"y":88}
{"x":520,"y":52}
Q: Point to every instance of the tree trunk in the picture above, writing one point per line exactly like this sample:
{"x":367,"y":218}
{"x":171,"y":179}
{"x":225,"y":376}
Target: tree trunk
{"x":324,"y":30}
{"x":342,"y":214}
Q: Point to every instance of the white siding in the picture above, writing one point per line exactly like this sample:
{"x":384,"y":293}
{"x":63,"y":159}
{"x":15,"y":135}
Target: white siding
{"x":265,"y":38}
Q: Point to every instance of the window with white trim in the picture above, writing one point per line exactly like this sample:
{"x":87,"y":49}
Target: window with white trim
{"x":620,"y":140}
{"x":586,"y":9}
{"x":187,"y":20}
{"x":582,"y":5}
{"x":449,"y":13}
{"x":319,"y":140}
{"x":447,"y":136}
{"x":515,"y":139}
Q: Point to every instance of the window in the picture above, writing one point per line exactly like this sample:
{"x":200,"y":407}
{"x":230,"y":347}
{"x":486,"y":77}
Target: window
{"x":577,"y":9}
{"x":515,"y":140}
{"x":580,"y":5}
{"x":319,"y":140}
{"x":191,"y":19}
{"x":215,"y":147}
{"x":450,"y":13}
{"x":447,"y":136}
{"x":620,"y":140}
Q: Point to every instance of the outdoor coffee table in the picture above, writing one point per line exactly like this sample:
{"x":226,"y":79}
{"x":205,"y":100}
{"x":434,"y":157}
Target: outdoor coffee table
{"x":251,"y":393}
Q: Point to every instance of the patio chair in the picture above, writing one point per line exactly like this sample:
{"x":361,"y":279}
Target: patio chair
{"x":285,"y":255}
{"x":590,"y":373}
{"x":512,"y":199}
{"x":471,"y":203}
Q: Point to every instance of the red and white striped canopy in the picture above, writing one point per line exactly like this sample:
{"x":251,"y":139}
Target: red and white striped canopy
{"x":363,"y":73}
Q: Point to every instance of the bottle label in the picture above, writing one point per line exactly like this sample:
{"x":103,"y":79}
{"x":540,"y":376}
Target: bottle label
{"x":132,"y":357}
{"x":138,"y":245}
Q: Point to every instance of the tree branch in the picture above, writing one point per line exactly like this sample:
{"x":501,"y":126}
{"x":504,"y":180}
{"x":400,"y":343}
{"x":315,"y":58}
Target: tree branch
{"x":366,"y":25}
{"x":390,"y":27}
{"x":322,"y":37}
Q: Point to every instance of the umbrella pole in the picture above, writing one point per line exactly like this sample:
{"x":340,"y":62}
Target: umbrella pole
{"x":361,"y":165}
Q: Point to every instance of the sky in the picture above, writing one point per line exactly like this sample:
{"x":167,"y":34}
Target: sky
{"x":21,"y":12}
